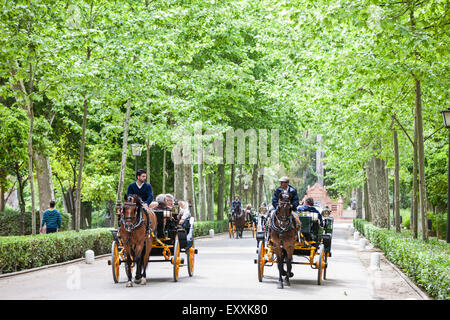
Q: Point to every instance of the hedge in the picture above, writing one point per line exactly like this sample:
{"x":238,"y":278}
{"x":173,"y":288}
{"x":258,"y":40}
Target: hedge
{"x":427,"y":264}
{"x":10,"y":222}
{"x":25,"y":252}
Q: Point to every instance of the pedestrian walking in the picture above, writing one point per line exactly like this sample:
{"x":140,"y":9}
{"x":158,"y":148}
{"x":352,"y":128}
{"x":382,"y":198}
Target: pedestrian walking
{"x":51,"y":219}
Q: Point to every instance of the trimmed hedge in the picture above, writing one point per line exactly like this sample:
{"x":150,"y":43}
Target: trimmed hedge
{"x":10,"y":222}
{"x":202,"y":228}
{"x":427,"y":264}
{"x":25,"y":252}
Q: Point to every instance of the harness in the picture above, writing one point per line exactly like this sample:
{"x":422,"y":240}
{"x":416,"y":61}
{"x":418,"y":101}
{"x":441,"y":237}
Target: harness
{"x":281,"y":229}
{"x":138,"y":224}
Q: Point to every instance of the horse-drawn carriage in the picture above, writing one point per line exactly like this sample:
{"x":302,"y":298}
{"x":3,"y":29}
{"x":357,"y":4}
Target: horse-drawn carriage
{"x":240,"y":220}
{"x":311,"y":243}
{"x":167,"y":240}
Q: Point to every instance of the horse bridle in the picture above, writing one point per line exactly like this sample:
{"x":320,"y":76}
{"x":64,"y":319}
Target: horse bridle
{"x":125,"y":221}
{"x":282,"y":220}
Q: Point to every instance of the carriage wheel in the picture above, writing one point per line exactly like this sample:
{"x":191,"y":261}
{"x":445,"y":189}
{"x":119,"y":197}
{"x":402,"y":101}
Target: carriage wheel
{"x":230,"y":230}
{"x":320,"y":264}
{"x":326,"y":267}
{"x":191,"y":259}
{"x":253,"y":230}
{"x":176,"y":259}
{"x":115,"y":261}
{"x":261,"y":261}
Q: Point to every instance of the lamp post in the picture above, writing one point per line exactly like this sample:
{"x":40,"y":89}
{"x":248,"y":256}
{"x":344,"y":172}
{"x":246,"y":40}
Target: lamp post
{"x":446,"y":116}
{"x":136,"y":149}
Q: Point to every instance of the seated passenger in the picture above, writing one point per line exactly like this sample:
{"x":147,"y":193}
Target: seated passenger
{"x":185,"y":221}
{"x":309,"y":206}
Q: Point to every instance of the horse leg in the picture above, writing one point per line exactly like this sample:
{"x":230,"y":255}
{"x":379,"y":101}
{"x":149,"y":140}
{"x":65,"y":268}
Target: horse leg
{"x":289,"y":274}
{"x":138,"y":259}
{"x":128,"y":270}
{"x":145,"y":258}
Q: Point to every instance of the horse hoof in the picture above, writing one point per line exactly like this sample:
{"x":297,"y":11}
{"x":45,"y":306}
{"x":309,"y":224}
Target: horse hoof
{"x":129,"y":284}
{"x":137,"y":281}
{"x":280,"y":285}
{"x":287,"y":283}
{"x":143,"y":281}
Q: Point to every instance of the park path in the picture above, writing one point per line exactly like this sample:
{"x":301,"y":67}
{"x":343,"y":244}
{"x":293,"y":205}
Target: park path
{"x":224,"y":269}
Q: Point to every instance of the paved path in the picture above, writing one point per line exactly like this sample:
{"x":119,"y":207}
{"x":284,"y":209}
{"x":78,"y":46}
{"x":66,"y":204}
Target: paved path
{"x":224,"y":269}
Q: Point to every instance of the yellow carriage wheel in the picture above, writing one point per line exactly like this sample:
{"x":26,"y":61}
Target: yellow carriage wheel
{"x":176,"y":260}
{"x":115,"y":261}
{"x":191,"y":259}
{"x":320,"y":264}
{"x":261,"y":260}
{"x":231,"y":230}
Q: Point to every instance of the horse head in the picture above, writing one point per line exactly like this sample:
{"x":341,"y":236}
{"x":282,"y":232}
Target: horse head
{"x":284,"y":210}
{"x":130,"y":211}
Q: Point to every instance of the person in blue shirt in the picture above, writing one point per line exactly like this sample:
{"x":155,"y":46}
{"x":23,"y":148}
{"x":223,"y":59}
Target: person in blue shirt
{"x":309,"y":206}
{"x":141,"y":188}
{"x":52,"y":218}
{"x":235,"y":203}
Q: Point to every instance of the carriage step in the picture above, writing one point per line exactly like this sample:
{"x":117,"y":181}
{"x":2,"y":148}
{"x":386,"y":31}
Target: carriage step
{"x":255,"y":261}
{"x":109,"y":262}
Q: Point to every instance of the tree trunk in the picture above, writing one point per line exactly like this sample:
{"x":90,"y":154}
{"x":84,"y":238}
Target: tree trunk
{"x":30,"y":114}
{"x":359,"y":203}
{"x":415,"y":187}
{"x":233,"y":169}
{"x":20,"y":198}
{"x":164,"y":172}
{"x":80,"y":169}
{"x":382,"y":197}
{"x":254,"y":184}
{"x":210,"y":196}
{"x":421,"y":160}
{"x":372,"y":190}
{"x":367,"y":216}
{"x":396,"y":184}
{"x":45,"y":182}
{"x":147,"y":161}
{"x":260,"y":196}
{"x":201,"y":187}
{"x":319,"y":161}
{"x":221,"y":192}
{"x":178,"y":181}
{"x":123,"y":165}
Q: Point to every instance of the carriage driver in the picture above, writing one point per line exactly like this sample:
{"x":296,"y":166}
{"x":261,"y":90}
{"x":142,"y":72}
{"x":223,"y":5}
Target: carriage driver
{"x":141,"y":188}
{"x":293,"y":195}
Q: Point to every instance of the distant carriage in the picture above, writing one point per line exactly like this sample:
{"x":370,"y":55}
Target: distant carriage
{"x":240,"y":220}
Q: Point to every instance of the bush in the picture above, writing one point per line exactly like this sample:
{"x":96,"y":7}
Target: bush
{"x":427,"y":264}
{"x":10,"y":222}
{"x":26,"y":252}
{"x":439,"y":224}
{"x":202,"y":228}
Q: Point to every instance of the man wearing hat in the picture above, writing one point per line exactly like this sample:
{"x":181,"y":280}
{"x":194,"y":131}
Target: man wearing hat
{"x":293,"y":196}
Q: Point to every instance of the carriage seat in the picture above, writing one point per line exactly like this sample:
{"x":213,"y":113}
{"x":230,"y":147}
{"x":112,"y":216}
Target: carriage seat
{"x":310,"y":227}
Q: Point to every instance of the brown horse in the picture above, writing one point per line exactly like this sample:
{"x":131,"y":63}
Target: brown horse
{"x":283,"y":235}
{"x":136,"y":226}
{"x":240,"y":218}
